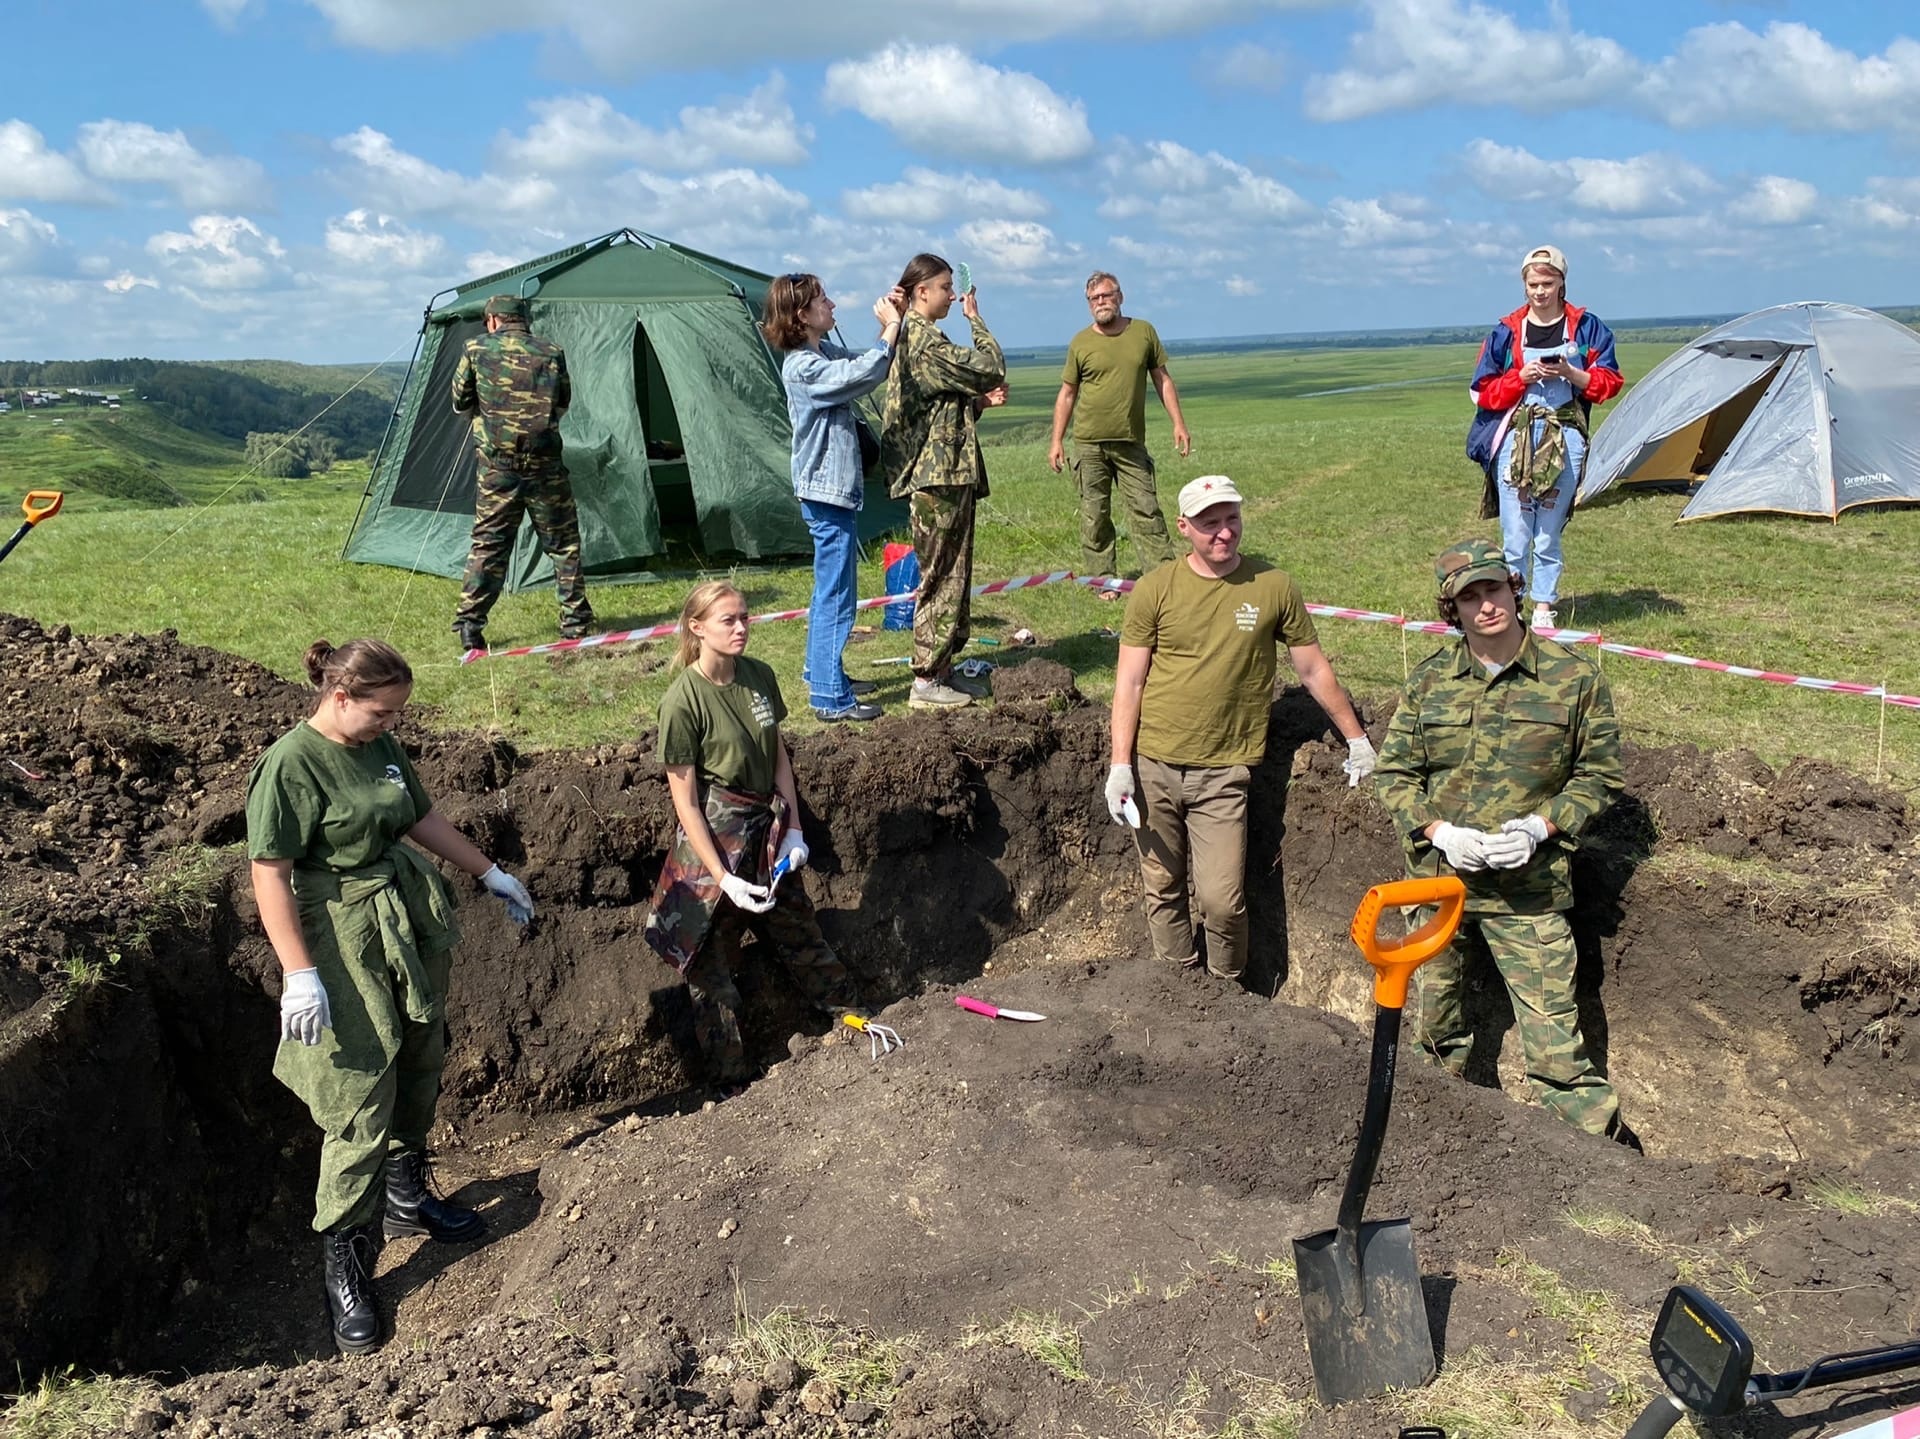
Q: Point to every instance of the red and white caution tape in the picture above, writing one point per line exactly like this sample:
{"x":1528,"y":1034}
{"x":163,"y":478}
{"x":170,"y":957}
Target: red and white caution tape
{"x":1335,"y":612}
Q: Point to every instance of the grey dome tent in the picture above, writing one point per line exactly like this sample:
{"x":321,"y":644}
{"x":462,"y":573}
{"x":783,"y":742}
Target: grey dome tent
{"x":1802,"y":409}
{"x":678,"y":432}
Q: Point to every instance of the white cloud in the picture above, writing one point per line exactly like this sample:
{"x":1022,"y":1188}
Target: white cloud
{"x":690,"y":34}
{"x":928,"y":197}
{"x":126,"y":282}
{"x":1018,"y":245}
{"x":734,"y":211}
{"x":1788,"y":75}
{"x":404,"y":184}
{"x":1241,"y":287}
{"x":1190,"y":193}
{"x":940,"y":99}
{"x":226,"y":13}
{"x":1250,"y":66}
{"x":585,"y":132}
{"x":31,"y":171}
{"x":1776,"y":200}
{"x":1415,"y":53}
{"x":219,"y":252}
{"x":25,"y":242}
{"x":1369,"y":222}
{"x":1640,"y":185}
{"x":363,"y":238}
{"x":128,"y":150}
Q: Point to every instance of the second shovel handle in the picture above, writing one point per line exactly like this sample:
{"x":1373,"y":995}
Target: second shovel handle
{"x":42,"y":505}
{"x":1395,"y":960}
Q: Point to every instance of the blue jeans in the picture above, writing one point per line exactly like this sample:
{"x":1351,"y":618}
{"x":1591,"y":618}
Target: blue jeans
{"x":836,"y":577}
{"x":1530,"y":528}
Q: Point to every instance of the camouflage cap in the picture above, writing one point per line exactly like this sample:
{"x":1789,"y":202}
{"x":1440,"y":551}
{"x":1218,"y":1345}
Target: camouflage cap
{"x":1462,"y":564}
{"x":507,"y":307}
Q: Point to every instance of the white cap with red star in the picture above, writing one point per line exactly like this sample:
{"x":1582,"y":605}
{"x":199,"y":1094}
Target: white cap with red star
{"x":1205,"y":492}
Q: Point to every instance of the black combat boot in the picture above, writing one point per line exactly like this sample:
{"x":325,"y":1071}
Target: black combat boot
{"x":413,"y":1207}
{"x":472,"y":636}
{"x":349,"y":1255}
{"x":1620,"y":1133}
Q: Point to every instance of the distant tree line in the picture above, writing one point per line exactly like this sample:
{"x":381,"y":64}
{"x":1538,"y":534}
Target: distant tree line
{"x":289,"y":457}
{"x":218,"y":401}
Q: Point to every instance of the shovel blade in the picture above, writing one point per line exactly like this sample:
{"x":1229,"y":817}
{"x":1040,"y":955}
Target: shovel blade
{"x":1387,"y":1344}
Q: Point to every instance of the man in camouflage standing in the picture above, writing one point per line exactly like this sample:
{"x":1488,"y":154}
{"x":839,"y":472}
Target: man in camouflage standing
{"x":516,"y":387}
{"x":935,"y":392}
{"x":1503,"y":749}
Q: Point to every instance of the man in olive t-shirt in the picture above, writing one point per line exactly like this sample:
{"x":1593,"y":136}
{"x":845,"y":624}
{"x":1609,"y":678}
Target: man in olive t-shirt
{"x":1103,"y":390}
{"x":1191,"y":697}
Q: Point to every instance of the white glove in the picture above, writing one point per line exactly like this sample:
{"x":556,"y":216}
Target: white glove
{"x":793,"y":848}
{"x":1120,"y":789}
{"x":1465,"y":849}
{"x":753,"y":898}
{"x":1360,"y":760}
{"x":304,"y":1011}
{"x":1516,"y":842}
{"x":519,"y":902}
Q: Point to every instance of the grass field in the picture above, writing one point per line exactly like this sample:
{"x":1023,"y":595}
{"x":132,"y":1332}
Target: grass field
{"x":1354,"y":491}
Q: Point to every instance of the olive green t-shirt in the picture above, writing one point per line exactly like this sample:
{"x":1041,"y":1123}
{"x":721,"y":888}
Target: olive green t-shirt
{"x":728,"y":733}
{"x":333,"y":806}
{"x":1111,"y":371}
{"x":1210,"y":686}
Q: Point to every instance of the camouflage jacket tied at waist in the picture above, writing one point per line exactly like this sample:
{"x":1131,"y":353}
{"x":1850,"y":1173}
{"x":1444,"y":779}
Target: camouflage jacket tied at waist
{"x":517,"y":388}
{"x":746,"y":828}
{"x":1540,"y":461}
{"x":372,"y":927}
{"x":1538,"y":738}
{"x":927,"y":435}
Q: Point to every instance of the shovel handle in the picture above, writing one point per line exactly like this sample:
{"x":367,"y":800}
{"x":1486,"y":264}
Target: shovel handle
{"x":42,"y":505}
{"x":1395,"y":960}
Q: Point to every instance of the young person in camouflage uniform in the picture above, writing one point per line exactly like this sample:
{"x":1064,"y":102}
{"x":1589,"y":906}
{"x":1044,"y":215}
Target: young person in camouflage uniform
{"x":515,"y":385}
{"x":1503,"y":749}
{"x":363,"y":928}
{"x":935,"y":393}
{"x":732,"y":787}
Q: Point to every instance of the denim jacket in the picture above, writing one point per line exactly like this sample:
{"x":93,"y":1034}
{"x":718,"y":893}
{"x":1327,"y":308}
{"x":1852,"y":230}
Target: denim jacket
{"x":821,"y":388}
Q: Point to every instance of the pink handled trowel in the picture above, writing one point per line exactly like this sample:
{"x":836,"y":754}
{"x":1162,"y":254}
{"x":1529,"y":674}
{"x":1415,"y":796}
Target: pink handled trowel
{"x":980,"y":1006}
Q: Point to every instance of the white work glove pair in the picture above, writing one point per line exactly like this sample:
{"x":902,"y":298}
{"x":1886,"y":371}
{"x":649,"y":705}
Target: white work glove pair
{"x":1360,"y":760}
{"x":753,"y":898}
{"x":304,"y":1011}
{"x":1471,"y":850}
{"x":519,"y":902}
{"x":1120,"y":791}
{"x":1516,"y":842}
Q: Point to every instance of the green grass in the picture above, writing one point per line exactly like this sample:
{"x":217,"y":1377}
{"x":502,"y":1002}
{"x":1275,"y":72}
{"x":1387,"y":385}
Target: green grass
{"x":130,"y":458}
{"x":1353,"y":492}
{"x":74,"y":1406}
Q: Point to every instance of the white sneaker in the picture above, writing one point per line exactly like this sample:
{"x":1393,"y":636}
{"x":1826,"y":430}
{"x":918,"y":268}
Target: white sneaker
{"x":1544,"y":618}
{"x":932,"y":695}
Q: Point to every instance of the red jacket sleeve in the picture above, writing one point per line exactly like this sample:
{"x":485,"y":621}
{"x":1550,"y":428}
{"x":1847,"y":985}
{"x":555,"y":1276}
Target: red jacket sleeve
{"x":1496,"y":378}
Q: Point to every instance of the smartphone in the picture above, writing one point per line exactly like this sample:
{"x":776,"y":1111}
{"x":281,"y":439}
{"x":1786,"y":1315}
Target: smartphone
{"x":1555,"y":360}
{"x":962,"y":279}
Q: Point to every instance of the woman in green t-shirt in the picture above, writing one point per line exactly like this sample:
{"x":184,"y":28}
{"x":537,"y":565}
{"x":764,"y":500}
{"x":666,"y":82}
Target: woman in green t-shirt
{"x":739,"y":837}
{"x":363,"y":928}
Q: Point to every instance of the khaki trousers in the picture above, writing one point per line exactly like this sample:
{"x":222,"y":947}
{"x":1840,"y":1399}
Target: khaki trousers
{"x":1193,"y":829}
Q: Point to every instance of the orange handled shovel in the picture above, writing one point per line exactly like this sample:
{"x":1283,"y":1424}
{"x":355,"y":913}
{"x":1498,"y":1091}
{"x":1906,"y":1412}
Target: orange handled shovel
{"x":39,"y":505}
{"x":1366,"y":1321}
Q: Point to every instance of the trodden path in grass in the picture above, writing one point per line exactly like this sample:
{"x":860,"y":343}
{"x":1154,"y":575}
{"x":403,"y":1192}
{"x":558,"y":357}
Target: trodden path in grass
{"x":1080,"y":1226}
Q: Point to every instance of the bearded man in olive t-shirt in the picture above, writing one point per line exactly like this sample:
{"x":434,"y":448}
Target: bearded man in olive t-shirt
{"x":1191,"y":696}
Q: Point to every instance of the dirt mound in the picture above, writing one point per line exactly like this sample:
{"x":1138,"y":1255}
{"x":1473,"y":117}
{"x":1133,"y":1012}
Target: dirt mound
{"x":1074,"y":1226}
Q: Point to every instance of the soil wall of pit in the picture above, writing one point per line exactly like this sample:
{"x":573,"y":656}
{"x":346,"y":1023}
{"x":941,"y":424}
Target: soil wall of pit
{"x":149,"y":1148}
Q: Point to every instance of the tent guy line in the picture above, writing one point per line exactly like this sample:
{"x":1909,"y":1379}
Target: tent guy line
{"x":1334,"y":612}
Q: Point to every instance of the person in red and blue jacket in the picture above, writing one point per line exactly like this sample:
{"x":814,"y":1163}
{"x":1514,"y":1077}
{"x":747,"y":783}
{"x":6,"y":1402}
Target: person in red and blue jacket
{"x":1541,"y":372}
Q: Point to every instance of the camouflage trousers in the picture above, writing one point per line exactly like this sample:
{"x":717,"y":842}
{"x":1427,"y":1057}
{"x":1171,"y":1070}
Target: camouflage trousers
{"x":1099,"y":468}
{"x":792,"y":932}
{"x":502,"y":495}
{"x":943,"y":541}
{"x":1535,"y":956}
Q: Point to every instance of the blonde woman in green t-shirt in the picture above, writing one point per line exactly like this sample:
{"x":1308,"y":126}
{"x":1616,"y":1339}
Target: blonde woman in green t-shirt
{"x":739,"y":838}
{"x":363,"y":928}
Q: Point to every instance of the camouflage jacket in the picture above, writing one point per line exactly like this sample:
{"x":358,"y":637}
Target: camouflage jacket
{"x":927,"y":435}
{"x":1537,"y":738}
{"x":516,"y":385}
{"x":747,"y":828}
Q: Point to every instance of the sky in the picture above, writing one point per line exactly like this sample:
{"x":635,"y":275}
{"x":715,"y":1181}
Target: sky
{"x":295,"y":178}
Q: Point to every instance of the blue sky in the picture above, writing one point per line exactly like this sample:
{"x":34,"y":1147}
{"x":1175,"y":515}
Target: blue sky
{"x":294,"y":178}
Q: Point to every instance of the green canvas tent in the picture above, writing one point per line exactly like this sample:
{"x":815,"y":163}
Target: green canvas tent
{"x":678,"y":433}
